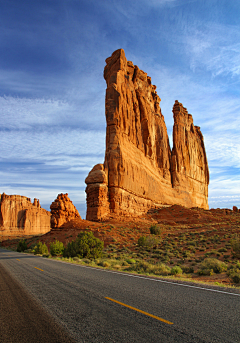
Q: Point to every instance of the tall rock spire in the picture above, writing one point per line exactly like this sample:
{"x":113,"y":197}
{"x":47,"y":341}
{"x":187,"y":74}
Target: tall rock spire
{"x":139,"y":170}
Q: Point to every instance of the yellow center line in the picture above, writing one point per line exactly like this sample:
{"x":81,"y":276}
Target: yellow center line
{"x":39,"y":269}
{"x":136,"y":309}
{"x":17,"y":259}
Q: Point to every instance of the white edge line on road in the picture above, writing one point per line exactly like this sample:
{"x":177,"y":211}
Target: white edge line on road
{"x":147,"y":278}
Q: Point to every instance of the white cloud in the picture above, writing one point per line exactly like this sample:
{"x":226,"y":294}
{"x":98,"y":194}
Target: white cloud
{"x":213,"y":46}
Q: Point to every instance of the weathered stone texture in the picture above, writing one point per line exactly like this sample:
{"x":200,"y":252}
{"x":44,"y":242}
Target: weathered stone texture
{"x":140,"y":170}
{"x":62,"y":211}
{"x":19,"y":216}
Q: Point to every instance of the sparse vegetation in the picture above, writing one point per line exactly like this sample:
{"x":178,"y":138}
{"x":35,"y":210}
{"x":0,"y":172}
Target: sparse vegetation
{"x":235,"y":244}
{"x":183,"y":251}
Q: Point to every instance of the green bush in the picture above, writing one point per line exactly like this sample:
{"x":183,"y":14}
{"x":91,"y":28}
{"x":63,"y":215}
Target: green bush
{"x":148,"y":268}
{"x":188,"y":270}
{"x":155,"y":230}
{"x":85,"y":245}
{"x":56,"y":248}
{"x":235,"y":276}
{"x":40,"y":249}
{"x":213,"y":264}
{"x":147,"y":242}
{"x":22,"y":245}
{"x":234,"y":273}
{"x":235,"y":244}
{"x":130,"y":261}
{"x":176,"y":270}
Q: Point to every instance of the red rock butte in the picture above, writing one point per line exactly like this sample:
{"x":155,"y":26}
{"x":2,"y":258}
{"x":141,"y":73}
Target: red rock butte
{"x":140,"y":170}
{"x":20,"y":217}
{"x":62,"y":211}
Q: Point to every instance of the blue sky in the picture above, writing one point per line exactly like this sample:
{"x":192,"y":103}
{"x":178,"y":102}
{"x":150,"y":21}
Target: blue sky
{"x":52,"y":91}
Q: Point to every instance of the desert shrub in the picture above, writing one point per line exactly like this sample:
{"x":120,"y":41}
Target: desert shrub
{"x":147,"y":242}
{"x":124,"y":263}
{"x":192,"y":243}
{"x":22,"y":245}
{"x":213,"y":264}
{"x":176,"y":270}
{"x":40,"y":249}
{"x":187,"y":270}
{"x":56,"y":248}
{"x":104,"y":264}
{"x":222,"y":250}
{"x":85,"y":245}
{"x":234,"y":273}
{"x":148,"y":268}
{"x":235,"y":277}
{"x":76,"y":259}
{"x":155,"y":230}
{"x":235,"y":244}
{"x":130,"y":261}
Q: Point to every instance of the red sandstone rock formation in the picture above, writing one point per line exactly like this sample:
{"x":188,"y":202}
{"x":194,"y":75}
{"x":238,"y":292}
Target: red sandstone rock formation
{"x":189,"y":167}
{"x":19,"y":217}
{"x":62,"y":210}
{"x":140,"y":171}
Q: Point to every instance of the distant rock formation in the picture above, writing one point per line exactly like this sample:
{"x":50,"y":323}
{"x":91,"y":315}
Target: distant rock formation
{"x":62,"y":210}
{"x":140,"y":170}
{"x":19,"y":216}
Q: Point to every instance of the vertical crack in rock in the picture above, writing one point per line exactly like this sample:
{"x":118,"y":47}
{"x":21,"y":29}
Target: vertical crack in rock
{"x":140,"y":171}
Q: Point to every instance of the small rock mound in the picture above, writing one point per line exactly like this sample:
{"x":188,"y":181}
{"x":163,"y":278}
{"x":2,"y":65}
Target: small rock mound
{"x":62,"y":211}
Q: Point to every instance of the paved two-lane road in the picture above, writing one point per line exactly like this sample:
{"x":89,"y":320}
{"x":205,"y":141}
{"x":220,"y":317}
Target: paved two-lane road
{"x":94,"y":305}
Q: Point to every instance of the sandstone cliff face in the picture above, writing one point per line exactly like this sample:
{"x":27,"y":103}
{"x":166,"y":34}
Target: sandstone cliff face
{"x":189,"y":161}
{"x":18,"y":216}
{"x":140,"y":170}
{"x":62,"y":211}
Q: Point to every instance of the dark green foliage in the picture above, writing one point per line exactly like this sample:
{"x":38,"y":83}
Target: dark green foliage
{"x":22,"y":245}
{"x":235,"y":277}
{"x":85,"y":245}
{"x":188,"y":270}
{"x":40,"y":249}
{"x":56,"y":248}
{"x":155,"y":230}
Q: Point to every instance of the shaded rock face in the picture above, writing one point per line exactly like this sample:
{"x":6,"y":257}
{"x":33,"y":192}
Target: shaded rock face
{"x":140,"y":171}
{"x":62,"y":211}
{"x":19,"y":216}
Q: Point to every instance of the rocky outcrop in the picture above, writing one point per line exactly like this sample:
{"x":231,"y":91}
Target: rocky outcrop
{"x":62,"y":211}
{"x":20,"y":217}
{"x":140,"y":171}
{"x":189,"y":167}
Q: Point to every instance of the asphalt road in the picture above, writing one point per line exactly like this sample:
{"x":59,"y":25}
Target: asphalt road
{"x":93,"y":305}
